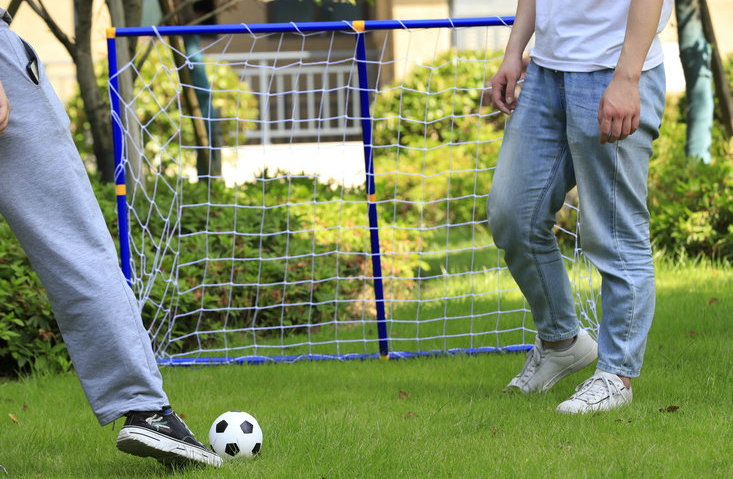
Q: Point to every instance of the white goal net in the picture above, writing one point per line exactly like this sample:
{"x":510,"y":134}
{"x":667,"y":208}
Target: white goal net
{"x":318,"y":194}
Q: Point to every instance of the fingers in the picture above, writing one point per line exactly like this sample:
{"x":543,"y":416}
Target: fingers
{"x":511,"y":86}
{"x":4,"y":110}
{"x":615,"y":130}
{"x":497,"y":94}
{"x":614,"y":126}
{"x":503,"y":93}
{"x":604,"y":124}
{"x":4,"y":117}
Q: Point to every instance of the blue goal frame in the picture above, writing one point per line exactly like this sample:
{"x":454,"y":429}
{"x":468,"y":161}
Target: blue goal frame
{"x":359,"y":27}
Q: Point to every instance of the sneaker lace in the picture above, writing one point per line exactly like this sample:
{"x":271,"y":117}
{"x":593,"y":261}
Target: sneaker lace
{"x":530,"y":365}
{"x":595,"y":389}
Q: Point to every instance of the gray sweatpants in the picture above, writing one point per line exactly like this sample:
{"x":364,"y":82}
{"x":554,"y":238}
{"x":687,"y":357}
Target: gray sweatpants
{"x":46,"y":198}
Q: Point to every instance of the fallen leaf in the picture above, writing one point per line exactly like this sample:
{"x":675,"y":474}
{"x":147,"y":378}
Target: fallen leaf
{"x":25,"y":407}
{"x":713,"y":300}
{"x":404,"y":394}
{"x":691,"y":334}
{"x":410,"y":414}
{"x":494,"y":431}
{"x":669,"y":409}
{"x":13,"y":418}
{"x":570,"y":448}
{"x":182,"y":416}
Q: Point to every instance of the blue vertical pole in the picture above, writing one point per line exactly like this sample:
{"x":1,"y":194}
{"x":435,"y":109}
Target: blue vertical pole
{"x":366,"y":134}
{"x":120,"y":186}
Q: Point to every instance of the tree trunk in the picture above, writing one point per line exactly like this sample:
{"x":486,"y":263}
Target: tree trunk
{"x":133,"y":13}
{"x":13,"y":7}
{"x":94,"y":105}
{"x":190,"y":101}
{"x":722,"y":89}
{"x":695,"y":58}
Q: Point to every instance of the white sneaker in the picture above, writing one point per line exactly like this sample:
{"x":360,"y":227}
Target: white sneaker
{"x":601,"y":392}
{"x":545,"y":367}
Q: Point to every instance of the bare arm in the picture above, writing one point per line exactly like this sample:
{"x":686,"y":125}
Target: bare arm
{"x":4,"y":109}
{"x":505,"y":81}
{"x":618,"y":112}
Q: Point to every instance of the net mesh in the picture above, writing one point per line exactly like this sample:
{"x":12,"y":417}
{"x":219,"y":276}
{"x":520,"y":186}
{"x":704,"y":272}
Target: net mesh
{"x":253,"y":241}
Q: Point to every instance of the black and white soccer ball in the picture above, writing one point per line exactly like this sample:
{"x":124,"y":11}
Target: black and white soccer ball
{"x":235,"y":434}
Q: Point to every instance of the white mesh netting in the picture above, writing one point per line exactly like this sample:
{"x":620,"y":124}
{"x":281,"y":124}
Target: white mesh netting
{"x":253,"y":242}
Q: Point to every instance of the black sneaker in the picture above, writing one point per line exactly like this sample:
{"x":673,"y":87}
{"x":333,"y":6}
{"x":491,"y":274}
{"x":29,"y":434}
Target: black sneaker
{"x":164,"y":436}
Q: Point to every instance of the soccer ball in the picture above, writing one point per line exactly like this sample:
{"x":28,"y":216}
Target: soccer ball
{"x":235,"y":434}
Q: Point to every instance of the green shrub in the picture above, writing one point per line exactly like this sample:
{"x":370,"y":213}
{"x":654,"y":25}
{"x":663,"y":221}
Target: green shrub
{"x":221,"y":293}
{"x":29,"y":337}
{"x":691,"y":203}
{"x":433,"y":152}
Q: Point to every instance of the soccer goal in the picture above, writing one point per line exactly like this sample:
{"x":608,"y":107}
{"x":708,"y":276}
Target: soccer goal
{"x":317,"y":191}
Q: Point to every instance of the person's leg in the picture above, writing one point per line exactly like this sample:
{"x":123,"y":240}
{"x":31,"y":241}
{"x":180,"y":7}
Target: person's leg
{"x":533,"y":174}
{"x":46,"y":198}
{"x":614,"y":230}
{"x":614,"y":227}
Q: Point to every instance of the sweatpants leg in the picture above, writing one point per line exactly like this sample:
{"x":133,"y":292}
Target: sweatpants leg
{"x":46,"y":198}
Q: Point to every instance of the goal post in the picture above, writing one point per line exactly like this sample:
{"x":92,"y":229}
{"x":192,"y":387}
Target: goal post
{"x":286,"y":254}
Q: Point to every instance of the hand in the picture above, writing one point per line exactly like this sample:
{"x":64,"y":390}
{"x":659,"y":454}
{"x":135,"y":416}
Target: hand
{"x":504,"y":83}
{"x":618,"y":112}
{"x":4,"y":110}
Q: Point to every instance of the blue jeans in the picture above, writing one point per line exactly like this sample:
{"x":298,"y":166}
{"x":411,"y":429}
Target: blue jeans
{"x":551,"y":144}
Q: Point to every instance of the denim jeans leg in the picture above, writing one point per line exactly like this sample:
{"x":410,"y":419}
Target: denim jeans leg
{"x":614,"y":229}
{"x":533,"y":174}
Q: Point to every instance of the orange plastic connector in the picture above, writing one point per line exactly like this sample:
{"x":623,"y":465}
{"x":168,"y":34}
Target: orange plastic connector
{"x":384,"y":358}
{"x":121,"y":190}
{"x":358,"y":25}
{"x":111,"y":32}
{"x":372,"y":198}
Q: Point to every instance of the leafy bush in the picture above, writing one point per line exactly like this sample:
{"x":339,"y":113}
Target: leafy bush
{"x":220,"y":293}
{"x":29,"y":337}
{"x":435,"y":139}
{"x":691,"y":203}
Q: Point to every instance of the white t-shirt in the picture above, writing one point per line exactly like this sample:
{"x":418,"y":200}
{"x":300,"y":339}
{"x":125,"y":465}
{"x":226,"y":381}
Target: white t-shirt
{"x":587,"y":35}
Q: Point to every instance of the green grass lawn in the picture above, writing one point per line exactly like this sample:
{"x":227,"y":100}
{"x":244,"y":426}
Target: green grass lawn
{"x":438,"y":417}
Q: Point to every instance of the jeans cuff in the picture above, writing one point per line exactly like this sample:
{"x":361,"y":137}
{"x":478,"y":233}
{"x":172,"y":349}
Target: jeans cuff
{"x":617,"y":371}
{"x":555,"y":336}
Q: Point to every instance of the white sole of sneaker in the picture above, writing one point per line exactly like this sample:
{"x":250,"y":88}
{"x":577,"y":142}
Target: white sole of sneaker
{"x":139,"y":441}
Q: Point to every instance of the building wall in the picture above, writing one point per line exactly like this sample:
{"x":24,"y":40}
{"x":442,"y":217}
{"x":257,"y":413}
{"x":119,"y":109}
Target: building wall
{"x":422,"y":46}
